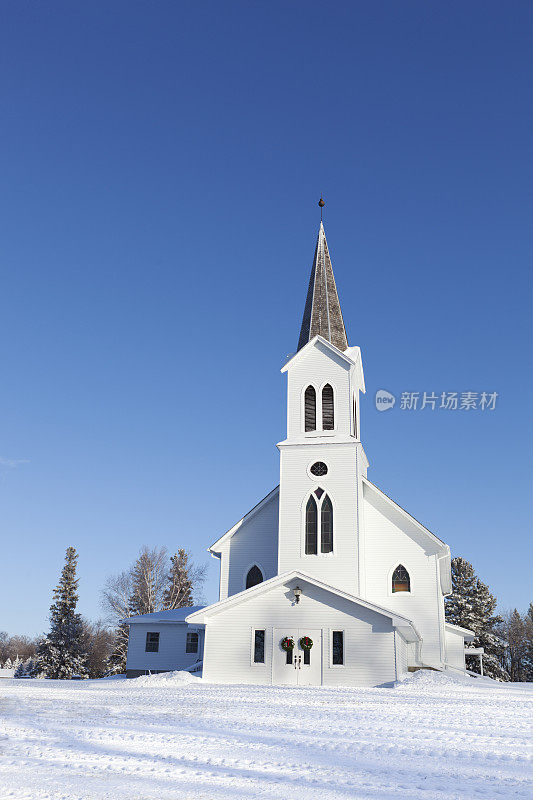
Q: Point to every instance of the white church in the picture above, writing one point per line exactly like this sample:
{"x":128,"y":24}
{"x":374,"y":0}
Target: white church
{"x":326,"y":580}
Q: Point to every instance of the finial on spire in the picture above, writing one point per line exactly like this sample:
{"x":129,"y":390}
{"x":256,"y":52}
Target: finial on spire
{"x":321,"y":203}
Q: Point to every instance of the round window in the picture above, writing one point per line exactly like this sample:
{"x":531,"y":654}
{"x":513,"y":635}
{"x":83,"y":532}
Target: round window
{"x":319,"y":468}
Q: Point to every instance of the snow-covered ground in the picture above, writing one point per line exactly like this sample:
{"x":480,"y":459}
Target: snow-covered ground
{"x":175,"y":737}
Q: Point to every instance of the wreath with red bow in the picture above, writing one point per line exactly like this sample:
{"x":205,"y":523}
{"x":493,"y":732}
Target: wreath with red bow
{"x":306,"y":643}
{"x":287,"y":643}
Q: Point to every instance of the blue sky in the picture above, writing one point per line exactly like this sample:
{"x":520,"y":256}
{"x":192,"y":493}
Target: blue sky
{"x":160,"y":168}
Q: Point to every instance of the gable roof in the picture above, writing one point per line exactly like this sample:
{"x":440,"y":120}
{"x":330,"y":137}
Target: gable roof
{"x":322,"y":312}
{"x":421,"y":529}
{"x":468,"y":635}
{"x":397,"y":620}
{"x":330,"y":348}
{"x":173,"y":615}
{"x":215,"y":547}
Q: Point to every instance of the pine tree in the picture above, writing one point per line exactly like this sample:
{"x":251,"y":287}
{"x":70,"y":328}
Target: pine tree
{"x":179,"y":592}
{"x":61,"y":654}
{"x":528,"y":644}
{"x":8,"y":664}
{"x":471,"y":605}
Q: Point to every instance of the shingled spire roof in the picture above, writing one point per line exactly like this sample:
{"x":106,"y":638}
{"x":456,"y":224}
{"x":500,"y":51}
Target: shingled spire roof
{"x":322,"y":313}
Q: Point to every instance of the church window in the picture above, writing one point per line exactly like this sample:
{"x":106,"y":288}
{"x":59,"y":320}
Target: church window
{"x":319,"y":469}
{"x":311,"y":525}
{"x":354,"y":416}
{"x":259,"y":647}
{"x":152,"y":643}
{"x":337,"y":649}
{"x":310,"y":409}
{"x":326,"y":526}
{"x":400,"y":580}
{"x":328,"y":419}
{"x":254,"y":577}
{"x":191,"y":645}
{"x":318,"y":524}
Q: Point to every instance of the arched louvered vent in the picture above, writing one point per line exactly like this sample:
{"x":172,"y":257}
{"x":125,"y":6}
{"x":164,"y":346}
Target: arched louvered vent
{"x":328,"y":420}
{"x":400,"y":580}
{"x":310,"y":409}
{"x":354,"y":416}
{"x":311,"y":520}
{"x":254,"y":577}
{"x":326,"y":526}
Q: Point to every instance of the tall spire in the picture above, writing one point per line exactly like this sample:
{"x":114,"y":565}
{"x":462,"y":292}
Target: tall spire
{"x":322,"y":313}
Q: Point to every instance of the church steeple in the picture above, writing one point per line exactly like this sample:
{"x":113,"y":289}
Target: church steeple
{"x":322,"y":313}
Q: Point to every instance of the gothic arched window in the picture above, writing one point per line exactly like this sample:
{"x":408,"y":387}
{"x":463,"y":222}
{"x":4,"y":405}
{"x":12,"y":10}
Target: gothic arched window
{"x":326,"y":526}
{"x":311,"y":526}
{"x":318,"y":523}
{"x":328,"y":413}
{"x":400,"y":580}
{"x":254,"y":577}
{"x":310,"y":409}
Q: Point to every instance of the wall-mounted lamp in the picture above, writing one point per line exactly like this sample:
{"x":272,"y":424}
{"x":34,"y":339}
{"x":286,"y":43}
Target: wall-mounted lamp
{"x":297,"y":594}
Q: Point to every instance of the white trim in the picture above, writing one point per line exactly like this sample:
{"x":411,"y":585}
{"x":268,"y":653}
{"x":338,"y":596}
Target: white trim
{"x":247,"y":570}
{"x":330,"y":645}
{"x":406,"y":514}
{"x":261,"y":504}
{"x":397,"y":620}
{"x":315,"y":430}
{"x":319,"y":503}
{"x":318,"y":340}
{"x":389,"y":580}
{"x":254,"y":663}
{"x":468,"y":635}
{"x":330,"y":431}
{"x":315,"y":478}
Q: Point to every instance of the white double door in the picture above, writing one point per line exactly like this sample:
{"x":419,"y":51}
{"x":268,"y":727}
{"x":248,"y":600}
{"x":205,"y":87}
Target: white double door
{"x":297,"y":667}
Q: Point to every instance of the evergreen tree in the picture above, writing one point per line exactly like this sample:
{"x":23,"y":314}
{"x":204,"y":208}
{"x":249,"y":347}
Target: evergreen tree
{"x":8,"y":664}
{"x":179,"y":590}
{"x":24,"y":668}
{"x":61,"y":653}
{"x":514,"y":633}
{"x":471,"y":605}
{"x":528,"y":644}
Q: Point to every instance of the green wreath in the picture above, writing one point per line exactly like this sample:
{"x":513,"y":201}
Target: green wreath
{"x":287,"y":643}
{"x":306,"y":643}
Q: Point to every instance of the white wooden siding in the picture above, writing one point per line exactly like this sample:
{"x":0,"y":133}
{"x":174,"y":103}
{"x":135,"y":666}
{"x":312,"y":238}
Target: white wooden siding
{"x":339,"y":568}
{"x":369,"y":651}
{"x":401,"y":655}
{"x":171,"y":654}
{"x":386,"y":546}
{"x":256,"y":542}
{"x":455,"y":649}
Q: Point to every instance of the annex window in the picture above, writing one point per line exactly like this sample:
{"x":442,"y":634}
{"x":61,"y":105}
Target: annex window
{"x":328,"y":414}
{"x":326,"y":526}
{"x":311,"y":525}
{"x":310,"y":409}
{"x":152,"y":643}
{"x":318,"y":523}
{"x":259,"y":647}
{"x":400,"y":580}
{"x":337,"y":648}
{"x":254,"y":577}
{"x":191,"y":645}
